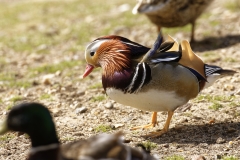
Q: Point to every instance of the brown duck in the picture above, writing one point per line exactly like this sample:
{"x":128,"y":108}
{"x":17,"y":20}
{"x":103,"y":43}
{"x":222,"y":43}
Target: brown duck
{"x":172,"y":13}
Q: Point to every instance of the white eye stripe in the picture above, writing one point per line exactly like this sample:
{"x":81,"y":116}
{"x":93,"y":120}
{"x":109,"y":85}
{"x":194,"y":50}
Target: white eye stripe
{"x":92,"y":47}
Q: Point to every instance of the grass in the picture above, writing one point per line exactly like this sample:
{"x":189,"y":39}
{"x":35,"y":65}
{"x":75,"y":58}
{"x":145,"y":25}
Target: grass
{"x":214,"y":23}
{"x":10,"y":80}
{"x":103,"y":128}
{"x":230,"y":158}
{"x":13,"y":100}
{"x":207,"y":33}
{"x":6,"y":137}
{"x":208,"y":54}
{"x":216,"y":100}
{"x":98,"y":98}
{"x":96,"y":86}
{"x":216,"y":106}
{"x":229,"y":59}
{"x":203,"y":97}
{"x":4,"y":77}
{"x":52,"y":68}
{"x":16,"y":98}
{"x":148,"y":146}
{"x":224,"y":98}
{"x":2,"y":62}
{"x":8,"y":107}
{"x":26,"y":136}
{"x":55,"y":26}
{"x":175,"y":157}
{"x":45,"y":96}
{"x":54,"y":23}
{"x":232,"y":5}
{"x":20,"y":84}
{"x":235,"y":104}
{"x":213,"y":98}
{"x":187,"y":114}
{"x":172,"y":31}
{"x":209,"y":57}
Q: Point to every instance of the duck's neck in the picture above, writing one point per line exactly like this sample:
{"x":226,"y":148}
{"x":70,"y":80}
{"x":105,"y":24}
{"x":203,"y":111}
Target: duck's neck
{"x":119,"y":79}
{"x":44,"y":148}
{"x":44,"y":137}
{"x":45,"y":145}
{"x":48,"y":152}
{"x":129,"y":80}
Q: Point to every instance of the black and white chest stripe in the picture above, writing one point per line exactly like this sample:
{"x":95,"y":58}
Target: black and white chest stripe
{"x":142,"y":76}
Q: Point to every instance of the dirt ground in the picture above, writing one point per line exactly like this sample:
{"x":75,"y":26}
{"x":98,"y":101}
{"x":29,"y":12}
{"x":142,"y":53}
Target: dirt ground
{"x":208,"y":125}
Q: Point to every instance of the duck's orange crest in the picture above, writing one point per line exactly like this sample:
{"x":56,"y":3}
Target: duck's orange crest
{"x":113,"y":56}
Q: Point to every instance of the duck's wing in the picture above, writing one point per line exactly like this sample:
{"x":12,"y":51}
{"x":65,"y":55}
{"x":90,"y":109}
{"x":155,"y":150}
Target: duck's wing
{"x":171,"y":51}
{"x":149,"y":6}
{"x":191,"y":60}
{"x":103,"y":146}
{"x":163,"y":51}
{"x":72,"y":150}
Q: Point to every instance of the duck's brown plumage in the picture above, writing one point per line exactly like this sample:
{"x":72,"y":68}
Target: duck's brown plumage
{"x":116,"y":59}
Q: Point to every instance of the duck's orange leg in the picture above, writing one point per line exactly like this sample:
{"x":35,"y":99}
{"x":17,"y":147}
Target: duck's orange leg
{"x":165,"y":128}
{"x":151,"y":125}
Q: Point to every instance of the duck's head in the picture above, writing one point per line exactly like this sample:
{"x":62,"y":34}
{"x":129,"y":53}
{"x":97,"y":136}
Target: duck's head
{"x":92,"y":56}
{"x":33,"y":119}
{"x":112,"y":53}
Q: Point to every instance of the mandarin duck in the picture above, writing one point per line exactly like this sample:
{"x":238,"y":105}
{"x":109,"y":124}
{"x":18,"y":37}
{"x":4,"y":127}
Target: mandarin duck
{"x":172,"y":13}
{"x":36,"y":120}
{"x":158,"y":79}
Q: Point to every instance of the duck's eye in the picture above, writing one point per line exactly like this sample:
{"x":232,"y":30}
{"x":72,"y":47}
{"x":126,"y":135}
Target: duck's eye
{"x":92,"y":53}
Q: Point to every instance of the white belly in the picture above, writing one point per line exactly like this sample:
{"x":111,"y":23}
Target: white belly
{"x":152,"y":100}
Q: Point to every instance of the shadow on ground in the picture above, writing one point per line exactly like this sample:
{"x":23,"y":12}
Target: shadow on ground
{"x":213,"y":43}
{"x":205,"y":133}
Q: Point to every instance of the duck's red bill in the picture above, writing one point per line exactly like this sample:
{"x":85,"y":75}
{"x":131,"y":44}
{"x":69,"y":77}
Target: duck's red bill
{"x":88,"y":70}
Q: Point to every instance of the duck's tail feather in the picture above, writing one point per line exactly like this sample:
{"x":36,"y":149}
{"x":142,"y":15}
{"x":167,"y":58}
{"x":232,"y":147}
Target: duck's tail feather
{"x":214,"y":72}
{"x":226,"y":72}
{"x":211,"y":69}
